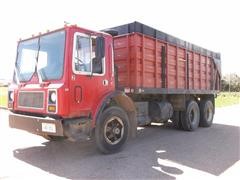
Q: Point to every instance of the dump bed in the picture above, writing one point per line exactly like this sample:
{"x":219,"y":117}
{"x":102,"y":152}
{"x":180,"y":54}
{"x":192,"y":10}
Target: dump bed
{"x":151,"y":61}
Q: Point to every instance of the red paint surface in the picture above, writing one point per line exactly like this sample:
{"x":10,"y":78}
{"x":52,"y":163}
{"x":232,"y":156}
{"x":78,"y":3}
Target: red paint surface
{"x":139,"y":62}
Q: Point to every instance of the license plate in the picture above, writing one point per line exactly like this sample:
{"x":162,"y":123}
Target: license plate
{"x":48,"y":127}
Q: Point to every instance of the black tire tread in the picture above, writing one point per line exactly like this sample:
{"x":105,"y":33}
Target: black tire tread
{"x":102,"y":145}
{"x":188,"y":126}
{"x":203,"y":120}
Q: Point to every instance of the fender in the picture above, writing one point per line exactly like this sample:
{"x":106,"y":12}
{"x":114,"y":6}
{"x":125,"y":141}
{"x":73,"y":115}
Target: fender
{"x":122,"y":101}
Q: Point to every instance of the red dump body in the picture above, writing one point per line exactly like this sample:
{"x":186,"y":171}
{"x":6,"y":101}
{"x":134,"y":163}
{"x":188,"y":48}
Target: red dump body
{"x":149,"y":63}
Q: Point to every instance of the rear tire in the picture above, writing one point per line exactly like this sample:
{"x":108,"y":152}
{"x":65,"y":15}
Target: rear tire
{"x":177,"y":120}
{"x":112,"y":130}
{"x":206,"y":113}
{"x":190,"y":117}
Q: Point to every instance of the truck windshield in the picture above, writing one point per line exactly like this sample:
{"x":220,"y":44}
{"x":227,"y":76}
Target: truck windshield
{"x":44,"y":55}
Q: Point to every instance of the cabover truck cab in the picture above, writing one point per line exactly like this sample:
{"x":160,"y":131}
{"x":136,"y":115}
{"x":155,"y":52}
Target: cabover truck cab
{"x":77,"y":83}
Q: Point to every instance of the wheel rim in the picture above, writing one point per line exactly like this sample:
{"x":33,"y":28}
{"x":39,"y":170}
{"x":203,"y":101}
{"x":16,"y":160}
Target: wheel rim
{"x":114,"y":130}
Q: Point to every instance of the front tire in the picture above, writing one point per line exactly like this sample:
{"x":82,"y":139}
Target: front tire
{"x":190,"y":117}
{"x":112,"y":130}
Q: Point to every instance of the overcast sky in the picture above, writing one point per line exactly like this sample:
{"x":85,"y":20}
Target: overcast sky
{"x":212,"y":24}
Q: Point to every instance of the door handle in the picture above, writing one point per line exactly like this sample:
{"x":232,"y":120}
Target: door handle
{"x":105,"y":82}
{"x":78,"y":94}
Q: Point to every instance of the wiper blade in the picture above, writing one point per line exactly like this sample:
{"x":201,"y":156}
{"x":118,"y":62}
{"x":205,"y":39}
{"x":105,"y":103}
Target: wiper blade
{"x":42,"y":75}
{"x":16,"y":69}
{"x":37,"y":54}
{"x":36,"y":69}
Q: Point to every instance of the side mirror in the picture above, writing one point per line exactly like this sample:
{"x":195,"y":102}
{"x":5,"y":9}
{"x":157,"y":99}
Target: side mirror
{"x":100,"y":47}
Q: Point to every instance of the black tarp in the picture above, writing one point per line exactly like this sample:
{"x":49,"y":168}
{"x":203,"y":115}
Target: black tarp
{"x":147,"y":30}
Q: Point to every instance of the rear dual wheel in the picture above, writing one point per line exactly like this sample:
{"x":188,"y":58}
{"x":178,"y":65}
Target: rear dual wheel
{"x":206,"y":113}
{"x":191,"y":117}
{"x":177,"y":120}
{"x":194,"y":117}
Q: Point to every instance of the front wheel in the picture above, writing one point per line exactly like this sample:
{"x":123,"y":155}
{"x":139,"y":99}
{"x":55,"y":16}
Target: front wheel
{"x":112,"y":130}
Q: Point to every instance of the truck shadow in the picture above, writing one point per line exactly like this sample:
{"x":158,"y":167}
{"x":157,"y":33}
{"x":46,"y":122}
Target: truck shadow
{"x":157,"y":152}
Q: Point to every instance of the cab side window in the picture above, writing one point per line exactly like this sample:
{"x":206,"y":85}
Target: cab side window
{"x":85,"y":55}
{"x":82,"y":54}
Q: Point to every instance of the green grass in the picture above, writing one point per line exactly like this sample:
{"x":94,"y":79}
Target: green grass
{"x":227,"y":99}
{"x":3,"y":96}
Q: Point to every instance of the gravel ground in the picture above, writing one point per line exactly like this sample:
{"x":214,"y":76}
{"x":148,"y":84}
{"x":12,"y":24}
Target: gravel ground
{"x":158,"y":152}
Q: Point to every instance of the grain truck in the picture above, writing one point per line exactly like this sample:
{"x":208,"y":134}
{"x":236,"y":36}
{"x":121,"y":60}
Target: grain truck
{"x":81,"y":84}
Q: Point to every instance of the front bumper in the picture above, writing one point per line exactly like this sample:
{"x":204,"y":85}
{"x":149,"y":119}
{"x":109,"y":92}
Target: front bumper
{"x":36,"y":125}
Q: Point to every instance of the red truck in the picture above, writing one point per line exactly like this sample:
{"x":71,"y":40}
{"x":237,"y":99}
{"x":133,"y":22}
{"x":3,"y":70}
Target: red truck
{"x":77,"y":83}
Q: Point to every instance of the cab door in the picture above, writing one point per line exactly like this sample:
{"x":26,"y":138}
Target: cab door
{"x":88,"y":78}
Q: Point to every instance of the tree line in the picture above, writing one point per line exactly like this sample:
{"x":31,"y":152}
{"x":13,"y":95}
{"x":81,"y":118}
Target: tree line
{"x":230,"y":82}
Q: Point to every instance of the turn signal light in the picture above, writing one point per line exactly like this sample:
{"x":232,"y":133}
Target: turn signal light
{"x":51,"y":108}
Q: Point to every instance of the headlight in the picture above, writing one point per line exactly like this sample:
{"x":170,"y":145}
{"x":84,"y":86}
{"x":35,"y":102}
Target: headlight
{"x":53,"y":97}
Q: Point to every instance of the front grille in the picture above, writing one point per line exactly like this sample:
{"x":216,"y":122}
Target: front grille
{"x":31,"y":100}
